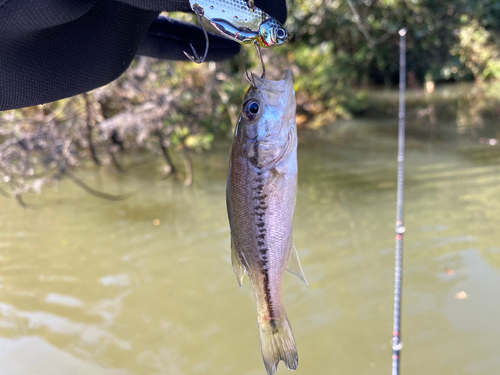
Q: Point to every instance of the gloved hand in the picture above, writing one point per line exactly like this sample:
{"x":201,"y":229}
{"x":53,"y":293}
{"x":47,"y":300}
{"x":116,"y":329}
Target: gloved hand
{"x":53,"y":49}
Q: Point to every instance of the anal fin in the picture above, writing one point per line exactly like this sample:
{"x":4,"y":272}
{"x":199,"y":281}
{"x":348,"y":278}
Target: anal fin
{"x":239,"y":269}
{"x":294,"y":265}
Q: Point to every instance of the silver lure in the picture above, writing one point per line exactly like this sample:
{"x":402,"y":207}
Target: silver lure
{"x":261,"y":193}
{"x":242,"y":22}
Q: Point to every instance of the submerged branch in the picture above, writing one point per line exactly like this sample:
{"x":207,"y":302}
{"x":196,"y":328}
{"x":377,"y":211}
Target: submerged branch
{"x":188,"y":164}
{"x":103,"y":195}
{"x":19,"y":199}
{"x":114,"y":160}
{"x":90,"y":124}
{"x":161,"y":142}
{"x":96,"y":193}
{"x":44,"y":142}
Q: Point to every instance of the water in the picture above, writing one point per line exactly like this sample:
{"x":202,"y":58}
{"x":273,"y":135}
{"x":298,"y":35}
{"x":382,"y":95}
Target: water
{"x":145,"y":286}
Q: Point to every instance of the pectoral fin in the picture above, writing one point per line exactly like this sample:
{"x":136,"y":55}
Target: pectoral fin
{"x":239,"y":269}
{"x":294,"y":265}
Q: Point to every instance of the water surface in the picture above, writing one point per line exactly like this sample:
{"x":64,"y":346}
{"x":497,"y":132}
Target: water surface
{"x":145,"y":286}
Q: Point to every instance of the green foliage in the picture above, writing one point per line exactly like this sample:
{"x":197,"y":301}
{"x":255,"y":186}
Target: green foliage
{"x":442,"y":36}
{"x":478,"y":51}
{"x":323,"y":93}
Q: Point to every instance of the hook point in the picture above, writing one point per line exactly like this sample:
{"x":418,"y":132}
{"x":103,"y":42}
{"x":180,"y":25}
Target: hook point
{"x":196,"y":58}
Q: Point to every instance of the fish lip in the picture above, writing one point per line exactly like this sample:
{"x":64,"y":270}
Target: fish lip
{"x":278,"y":93}
{"x":264,"y":83}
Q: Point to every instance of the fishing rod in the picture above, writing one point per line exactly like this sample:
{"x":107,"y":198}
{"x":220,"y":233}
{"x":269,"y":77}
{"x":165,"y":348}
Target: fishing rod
{"x":400,"y":229}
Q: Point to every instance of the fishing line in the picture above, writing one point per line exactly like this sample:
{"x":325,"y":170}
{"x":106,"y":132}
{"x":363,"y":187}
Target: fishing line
{"x":400,"y":229}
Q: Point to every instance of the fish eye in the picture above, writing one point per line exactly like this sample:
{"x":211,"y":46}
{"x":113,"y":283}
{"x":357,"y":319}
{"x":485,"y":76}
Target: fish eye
{"x":251,"y":109}
{"x":280,"y":33}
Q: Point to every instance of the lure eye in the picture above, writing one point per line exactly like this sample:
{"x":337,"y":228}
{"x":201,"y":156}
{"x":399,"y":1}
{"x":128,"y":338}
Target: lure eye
{"x":280,"y":33}
{"x":251,"y":109}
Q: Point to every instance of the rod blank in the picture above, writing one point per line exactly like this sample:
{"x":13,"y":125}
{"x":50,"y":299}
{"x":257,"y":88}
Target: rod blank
{"x":400,"y":229}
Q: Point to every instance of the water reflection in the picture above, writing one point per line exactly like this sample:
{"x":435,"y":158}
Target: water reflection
{"x":145,"y":286}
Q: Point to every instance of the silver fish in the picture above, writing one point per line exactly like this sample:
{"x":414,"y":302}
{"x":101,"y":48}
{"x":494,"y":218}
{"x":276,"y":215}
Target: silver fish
{"x":261,"y":193}
{"x":242,"y":21}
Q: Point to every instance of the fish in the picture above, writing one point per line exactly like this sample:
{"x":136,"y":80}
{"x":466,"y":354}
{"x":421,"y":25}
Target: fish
{"x":242,"y":21}
{"x":261,"y":194}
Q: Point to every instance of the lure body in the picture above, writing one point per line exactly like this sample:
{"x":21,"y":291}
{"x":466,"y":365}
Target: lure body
{"x":238,"y":21}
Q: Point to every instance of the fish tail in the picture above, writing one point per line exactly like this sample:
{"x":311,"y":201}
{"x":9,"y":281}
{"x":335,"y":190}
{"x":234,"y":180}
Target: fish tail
{"x":277,"y":343}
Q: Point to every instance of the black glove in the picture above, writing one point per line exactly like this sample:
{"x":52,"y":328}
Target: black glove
{"x":53,"y":49}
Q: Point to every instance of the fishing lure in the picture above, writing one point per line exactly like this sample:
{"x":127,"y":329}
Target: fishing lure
{"x":241,"y":21}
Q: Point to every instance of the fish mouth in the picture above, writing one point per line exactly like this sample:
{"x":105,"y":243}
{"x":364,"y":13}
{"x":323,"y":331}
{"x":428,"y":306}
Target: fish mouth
{"x":287,"y":78}
{"x":273,"y":90}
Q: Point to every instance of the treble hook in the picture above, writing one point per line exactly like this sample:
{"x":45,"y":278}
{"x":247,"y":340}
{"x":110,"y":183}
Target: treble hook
{"x":250,"y":78}
{"x":196,"y":58}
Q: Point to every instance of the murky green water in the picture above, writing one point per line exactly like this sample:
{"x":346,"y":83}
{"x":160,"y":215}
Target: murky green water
{"x":95,"y":287}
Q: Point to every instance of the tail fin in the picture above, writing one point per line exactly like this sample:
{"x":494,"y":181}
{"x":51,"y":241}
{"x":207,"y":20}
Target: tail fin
{"x":277,"y":343}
